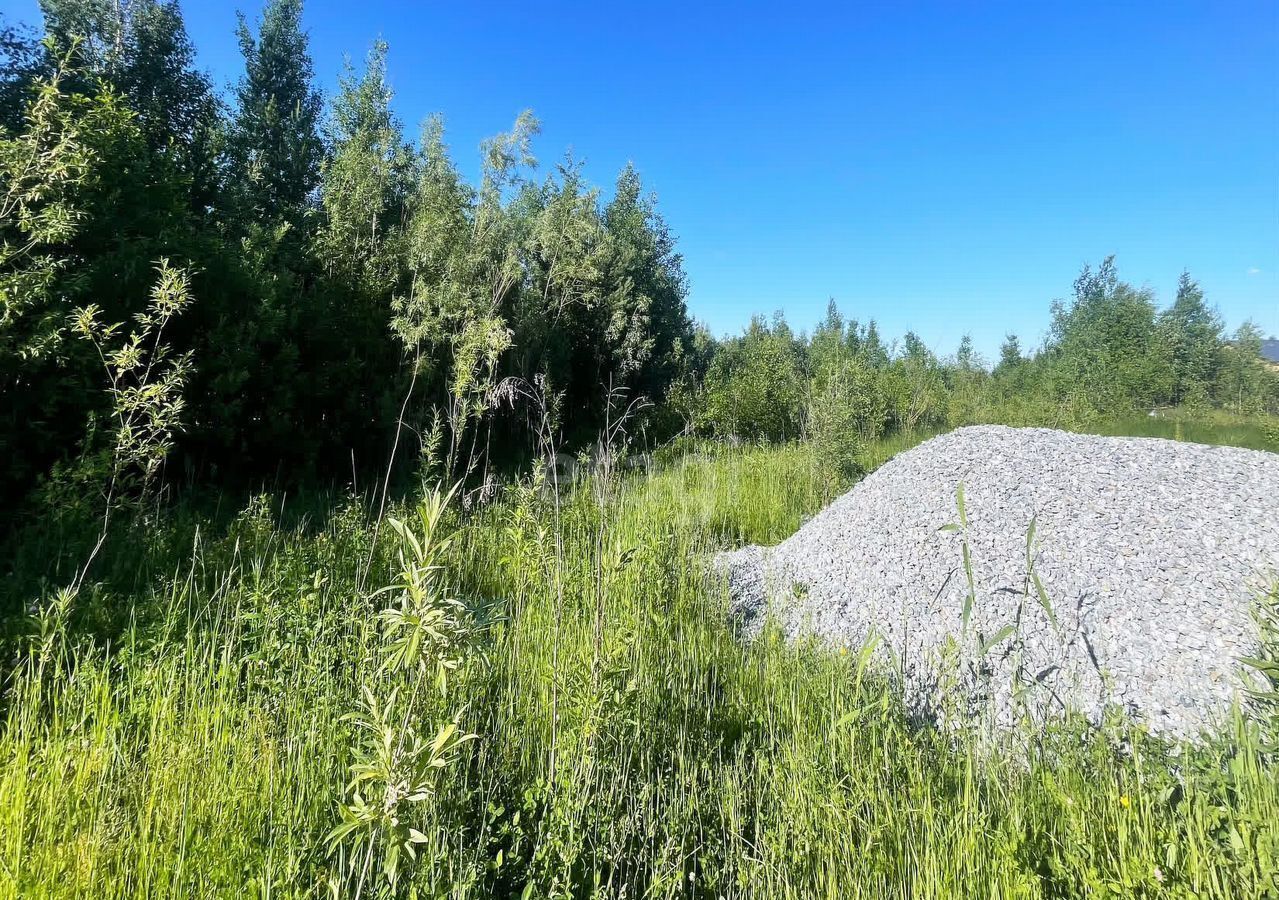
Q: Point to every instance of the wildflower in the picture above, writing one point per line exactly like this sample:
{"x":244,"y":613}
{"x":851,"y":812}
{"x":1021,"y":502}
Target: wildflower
{"x":1125,"y":802}
{"x":1159,"y":875}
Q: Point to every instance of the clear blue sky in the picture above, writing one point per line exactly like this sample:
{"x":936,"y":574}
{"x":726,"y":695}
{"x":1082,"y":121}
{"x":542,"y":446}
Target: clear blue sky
{"x":945,"y":167}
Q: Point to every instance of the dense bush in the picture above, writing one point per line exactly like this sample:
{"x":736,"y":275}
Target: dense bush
{"x":755,"y":385}
{"x":348,"y":286}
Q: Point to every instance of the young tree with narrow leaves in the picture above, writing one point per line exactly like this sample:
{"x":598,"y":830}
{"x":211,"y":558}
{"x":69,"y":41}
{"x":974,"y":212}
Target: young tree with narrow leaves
{"x":1192,"y":333}
{"x":1104,"y":347}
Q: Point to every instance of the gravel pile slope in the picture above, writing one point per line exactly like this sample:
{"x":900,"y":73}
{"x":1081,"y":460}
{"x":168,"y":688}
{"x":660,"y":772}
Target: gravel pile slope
{"x":1150,"y":551}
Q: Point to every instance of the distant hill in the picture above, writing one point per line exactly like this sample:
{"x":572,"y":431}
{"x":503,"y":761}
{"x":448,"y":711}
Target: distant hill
{"x":1270,"y":350}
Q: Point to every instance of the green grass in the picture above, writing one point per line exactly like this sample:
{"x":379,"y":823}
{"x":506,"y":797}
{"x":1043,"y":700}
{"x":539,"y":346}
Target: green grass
{"x":1178,"y":423}
{"x":627,"y":745}
{"x":1207,"y":427}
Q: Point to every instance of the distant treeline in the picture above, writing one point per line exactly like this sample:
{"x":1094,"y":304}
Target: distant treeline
{"x":270,"y":286}
{"x":1110,"y":350}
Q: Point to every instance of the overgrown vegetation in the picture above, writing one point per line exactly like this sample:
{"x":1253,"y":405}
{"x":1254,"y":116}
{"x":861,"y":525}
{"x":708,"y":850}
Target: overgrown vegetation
{"x":411,"y":670}
{"x":347,"y":283}
{"x":622,"y":741}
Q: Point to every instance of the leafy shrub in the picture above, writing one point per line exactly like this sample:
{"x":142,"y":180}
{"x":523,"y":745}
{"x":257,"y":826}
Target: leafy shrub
{"x":846,"y":411}
{"x":755,"y":386}
{"x":833,"y":432}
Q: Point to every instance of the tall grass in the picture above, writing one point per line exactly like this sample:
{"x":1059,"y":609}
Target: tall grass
{"x":627,"y":745}
{"x":1199,"y":426}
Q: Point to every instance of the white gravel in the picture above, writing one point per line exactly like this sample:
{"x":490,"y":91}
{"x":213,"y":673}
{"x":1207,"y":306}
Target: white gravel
{"x":1151,"y":552}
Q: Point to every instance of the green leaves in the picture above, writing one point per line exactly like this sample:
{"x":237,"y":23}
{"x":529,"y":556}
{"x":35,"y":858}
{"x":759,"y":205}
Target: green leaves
{"x":755,"y":386}
{"x":961,"y":528}
{"x":145,"y":379}
{"x":1022,"y":685}
{"x":833,"y":429}
{"x":424,"y":636}
{"x":1105,"y":346}
{"x":1265,"y":665}
{"x":44,"y":173}
{"x":423,"y":628}
{"x":995,"y":640}
{"x":393,"y":768}
{"x":366,"y":183}
{"x":1041,"y":595}
{"x":274,"y":139}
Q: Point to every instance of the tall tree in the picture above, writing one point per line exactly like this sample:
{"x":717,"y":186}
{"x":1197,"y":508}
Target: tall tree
{"x":365,"y":185}
{"x":872,"y":346}
{"x":367,"y":177}
{"x":645,"y":289}
{"x":1011,"y":362}
{"x":275,"y":143}
{"x":966,"y":356}
{"x":463,"y":249}
{"x":914,"y":348}
{"x":141,"y":206}
{"x":561,"y":326}
{"x":258,"y":370}
{"x":141,"y":48}
{"x":1244,"y":382}
{"x":1106,"y":349}
{"x":128,"y":97}
{"x":1193,"y":334}
{"x":915,"y":384}
{"x":828,"y":348}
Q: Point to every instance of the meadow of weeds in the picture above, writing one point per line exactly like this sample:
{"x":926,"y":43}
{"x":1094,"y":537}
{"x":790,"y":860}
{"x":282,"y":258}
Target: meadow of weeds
{"x":542,"y":698}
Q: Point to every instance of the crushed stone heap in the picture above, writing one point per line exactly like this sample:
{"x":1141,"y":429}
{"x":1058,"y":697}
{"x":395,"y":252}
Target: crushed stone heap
{"x":1151,"y":553}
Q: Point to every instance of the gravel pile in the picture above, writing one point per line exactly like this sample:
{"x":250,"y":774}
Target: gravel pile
{"x":1151,"y":553}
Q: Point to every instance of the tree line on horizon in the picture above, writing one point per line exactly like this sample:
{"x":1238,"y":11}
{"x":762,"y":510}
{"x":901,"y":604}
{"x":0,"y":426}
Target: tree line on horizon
{"x":1109,"y":350}
{"x":272,"y":286}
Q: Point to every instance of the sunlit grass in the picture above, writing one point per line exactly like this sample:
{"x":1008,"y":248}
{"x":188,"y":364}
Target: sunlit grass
{"x":627,"y":743}
{"x":1198,"y":426}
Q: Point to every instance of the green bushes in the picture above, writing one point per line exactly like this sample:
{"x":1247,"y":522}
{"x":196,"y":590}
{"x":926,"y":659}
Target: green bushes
{"x":755,"y":386}
{"x":1104,"y":345}
{"x":53,"y":177}
{"x":846,"y":412}
{"x":1110,"y":354}
{"x":343,"y":278}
